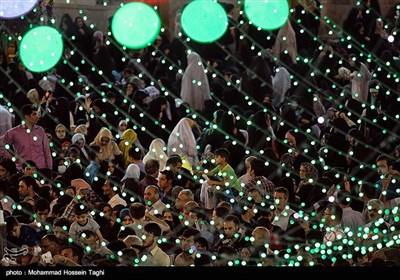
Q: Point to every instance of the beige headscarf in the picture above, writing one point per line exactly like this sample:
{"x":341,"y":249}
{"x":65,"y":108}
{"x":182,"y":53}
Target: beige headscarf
{"x":110,"y":150}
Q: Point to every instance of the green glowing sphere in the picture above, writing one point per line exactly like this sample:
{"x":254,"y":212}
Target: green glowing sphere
{"x":204,"y":21}
{"x":135,"y":25}
{"x":267,"y":14}
{"x":41,"y":48}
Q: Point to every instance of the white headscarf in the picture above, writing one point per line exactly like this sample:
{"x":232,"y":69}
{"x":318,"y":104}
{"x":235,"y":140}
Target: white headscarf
{"x":182,"y":141}
{"x":156,"y":152}
{"x":132,"y":171}
{"x":195,"y":88}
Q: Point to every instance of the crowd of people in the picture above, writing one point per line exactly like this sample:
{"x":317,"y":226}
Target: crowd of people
{"x":264,"y":148}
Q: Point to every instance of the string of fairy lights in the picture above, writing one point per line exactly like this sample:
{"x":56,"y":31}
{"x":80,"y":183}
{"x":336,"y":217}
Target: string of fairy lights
{"x":180,"y":69}
{"x":238,"y":115}
{"x":109,"y":40}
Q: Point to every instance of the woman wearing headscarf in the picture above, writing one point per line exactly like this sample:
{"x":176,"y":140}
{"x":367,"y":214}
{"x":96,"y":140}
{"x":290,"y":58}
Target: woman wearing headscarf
{"x":308,"y":179}
{"x":195,"y":93}
{"x":128,"y":140}
{"x":131,"y":190}
{"x":61,"y":133}
{"x":182,"y":141}
{"x":156,"y":121}
{"x":286,"y":41}
{"x":79,"y":140}
{"x":156,"y":151}
{"x":108,"y":148}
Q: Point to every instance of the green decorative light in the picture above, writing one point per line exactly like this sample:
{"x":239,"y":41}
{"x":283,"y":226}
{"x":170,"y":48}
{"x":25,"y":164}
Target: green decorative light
{"x":267,"y":14}
{"x":204,"y":21}
{"x":135,"y":25}
{"x":41,"y":48}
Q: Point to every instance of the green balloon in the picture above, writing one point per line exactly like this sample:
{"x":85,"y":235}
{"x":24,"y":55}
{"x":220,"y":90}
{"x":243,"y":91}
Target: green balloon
{"x":204,"y":21}
{"x":41,"y":48}
{"x":267,"y":14}
{"x":135,"y":25}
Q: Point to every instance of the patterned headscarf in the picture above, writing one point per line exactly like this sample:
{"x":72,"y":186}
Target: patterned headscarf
{"x":311,"y":172}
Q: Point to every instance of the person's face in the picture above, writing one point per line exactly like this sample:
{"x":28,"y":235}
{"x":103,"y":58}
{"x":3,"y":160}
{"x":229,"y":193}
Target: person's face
{"x":258,"y":237}
{"x":80,"y":143}
{"x":328,"y":219}
{"x":175,"y":169}
{"x":104,"y":141}
{"x":245,"y":254}
{"x":187,"y":244}
{"x":60,"y":233}
{"x":90,"y":245}
{"x":181,"y":201}
{"x":68,"y":253}
{"x":111,"y":167}
{"x":162,"y":181}
{"x":97,"y":110}
{"x":147,"y":238}
{"x":374,"y":213}
{"x":48,"y":246}
{"x":396,"y":153}
{"x":4,"y":174}
{"x":382,"y":167}
{"x":351,"y":140}
{"x":352,"y":63}
{"x":280,"y":200}
{"x":290,"y":140}
{"x":65,"y":148}
{"x":23,"y":189}
{"x":218,"y":159}
{"x":16,"y":231}
{"x":126,"y":220}
{"x":129,"y":89}
{"x":217,"y":221}
{"x":168,"y":216}
{"x":230,"y":229}
{"x":42,"y":215}
{"x":60,"y":133}
{"x":303,"y":172}
{"x":150,"y":196}
{"x":122,"y":126}
{"x":107,"y":211}
{"x":29,"y":170}
{"x":32,"y":118}
{"x":107,"y":189}
{"x":79,"y":22}
{"x":81,"y":219}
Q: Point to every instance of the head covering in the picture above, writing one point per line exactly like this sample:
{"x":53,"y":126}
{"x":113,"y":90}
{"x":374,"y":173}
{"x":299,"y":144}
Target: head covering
{"x":82,"y":128}
{"x":132,"y":171}
{"x":182,"y":141}
{"x":156,"y":151}
{"x":78,"y":136}
{"x":123,"y":213}
{"x":128,"y":137}
{"x":195,"y":93}
{"x":110,"y":150}
{"x":311,"y":172}
{"x":288,"y":160}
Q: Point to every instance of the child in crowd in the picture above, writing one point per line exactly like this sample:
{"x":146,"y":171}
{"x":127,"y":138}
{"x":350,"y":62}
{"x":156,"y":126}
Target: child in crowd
{"x":229,"y":183}
{"x":83,"y":222}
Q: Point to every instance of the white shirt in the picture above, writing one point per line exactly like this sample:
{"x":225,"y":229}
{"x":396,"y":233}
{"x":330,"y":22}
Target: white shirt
{"x":282,"y":220}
